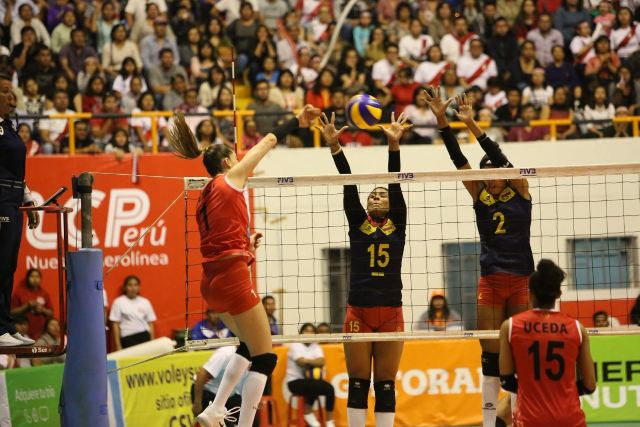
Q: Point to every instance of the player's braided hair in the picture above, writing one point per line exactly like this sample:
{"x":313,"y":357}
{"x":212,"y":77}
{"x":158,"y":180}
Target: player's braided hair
{"x":185,"y":145}
{"x":545,"y":283}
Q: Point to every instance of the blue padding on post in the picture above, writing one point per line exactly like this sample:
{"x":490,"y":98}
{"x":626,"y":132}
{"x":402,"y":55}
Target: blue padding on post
{"x":83,"y":399}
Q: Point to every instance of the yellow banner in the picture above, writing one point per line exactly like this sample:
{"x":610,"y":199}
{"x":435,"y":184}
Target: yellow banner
{"x":157,"y":393}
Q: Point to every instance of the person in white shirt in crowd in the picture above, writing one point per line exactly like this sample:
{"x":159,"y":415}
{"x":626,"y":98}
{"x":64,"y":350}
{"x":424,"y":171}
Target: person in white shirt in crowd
{"x":384,"y":71}
{"x":625,"y":39}
{"x":545,"y":37}
{"x":431,"y":71}
{"x":476,"y":67}
{"x":495,"y":97}
{"x":439,"y":316}
{"x":600,"y":109}
{"x":414,"y":47}
{"x":231,"y":9}
{"x":418,"y":114}
{"x":120,"y":48}
{"x":538,"y":93}
{"x":27,"y":18}
{"x":53,"y":131}
{"x":456,"y":44}
{"x":305,"y":364}
{"x":208,"y":379}
{"x":582,"y":43}
{"x":132,"y":316}
{"x":136,"y":10}
{"x":288,"y":46}
{"x":272,"y":11}
{"x":144,"y":27}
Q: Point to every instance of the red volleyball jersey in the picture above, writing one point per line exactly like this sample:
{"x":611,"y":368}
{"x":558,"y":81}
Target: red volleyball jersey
{"x":545,"y":346}
{"x":223,"y":219}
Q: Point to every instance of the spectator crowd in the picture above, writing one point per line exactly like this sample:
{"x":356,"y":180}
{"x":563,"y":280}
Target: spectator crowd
{"x":520,"y":60}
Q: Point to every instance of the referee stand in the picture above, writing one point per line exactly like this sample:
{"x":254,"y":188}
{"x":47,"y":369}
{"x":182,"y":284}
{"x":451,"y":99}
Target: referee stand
{"x":83,"y":398}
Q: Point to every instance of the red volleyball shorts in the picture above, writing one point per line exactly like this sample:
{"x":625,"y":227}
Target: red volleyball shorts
{"x":373,"y":319}
{"x":503,"y":290}
{"x":226,"y":286}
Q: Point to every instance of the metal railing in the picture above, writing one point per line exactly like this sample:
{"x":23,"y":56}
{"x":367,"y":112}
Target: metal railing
{"x":552,"y":124}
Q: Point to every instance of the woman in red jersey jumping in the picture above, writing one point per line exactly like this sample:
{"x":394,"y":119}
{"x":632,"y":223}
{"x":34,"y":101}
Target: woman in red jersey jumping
{"x":540,"y":350}
{"x":227,"y":249}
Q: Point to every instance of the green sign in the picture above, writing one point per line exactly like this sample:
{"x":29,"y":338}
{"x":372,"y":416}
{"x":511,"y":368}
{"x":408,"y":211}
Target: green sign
{"x":33,"y":395}
{"x":617,"y":399}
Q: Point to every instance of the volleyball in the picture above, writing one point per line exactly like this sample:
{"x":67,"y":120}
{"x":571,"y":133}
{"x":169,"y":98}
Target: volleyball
{"x":363,"y":111}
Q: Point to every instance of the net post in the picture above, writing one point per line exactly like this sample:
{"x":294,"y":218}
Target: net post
{"x":85,"y":188}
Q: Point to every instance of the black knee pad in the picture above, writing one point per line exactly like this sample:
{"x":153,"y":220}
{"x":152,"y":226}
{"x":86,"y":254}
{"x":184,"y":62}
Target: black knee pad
{"x":264,"y":363}
{"x":243,"y":351}
{"x":500,"y":422}
{"x":358,"y":393}
{"x":490,"y":364}
{"x":385,"y":396}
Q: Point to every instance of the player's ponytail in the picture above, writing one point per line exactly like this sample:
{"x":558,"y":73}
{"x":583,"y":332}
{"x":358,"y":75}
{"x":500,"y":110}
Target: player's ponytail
{"x":545,"y":283}
{"x":185,"y":145}
{"x":182,"y":140}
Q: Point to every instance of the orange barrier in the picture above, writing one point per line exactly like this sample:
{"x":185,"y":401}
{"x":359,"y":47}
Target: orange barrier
{"x":241,"y":114}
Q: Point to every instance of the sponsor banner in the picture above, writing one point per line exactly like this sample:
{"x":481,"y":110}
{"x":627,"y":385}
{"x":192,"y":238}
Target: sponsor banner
{"x":159,"y":390}
{"x":617,"y":361}
{"x":123,"y":211}
{"x":33,"y":395}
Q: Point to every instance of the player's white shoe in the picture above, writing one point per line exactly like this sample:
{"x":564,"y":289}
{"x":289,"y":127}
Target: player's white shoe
{"x":212,"y":417}
{"x":6,"y":340}
{"x":23,"y":339}
{"x":311,"y":420}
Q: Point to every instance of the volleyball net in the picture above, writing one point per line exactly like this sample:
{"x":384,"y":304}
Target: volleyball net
{"x":584,"y":218}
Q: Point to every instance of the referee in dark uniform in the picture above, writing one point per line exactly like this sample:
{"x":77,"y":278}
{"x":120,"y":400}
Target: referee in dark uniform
{"x":13,"y":194}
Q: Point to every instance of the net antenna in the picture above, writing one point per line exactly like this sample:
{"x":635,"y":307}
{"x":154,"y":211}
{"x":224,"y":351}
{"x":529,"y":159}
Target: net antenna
{"x":305,"y":226}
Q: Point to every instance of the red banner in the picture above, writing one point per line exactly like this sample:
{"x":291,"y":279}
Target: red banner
{"x":123,"y":210}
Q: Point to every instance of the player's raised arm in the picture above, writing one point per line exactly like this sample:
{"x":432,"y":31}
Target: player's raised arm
{"x":496,"y":157}
{"x":394,"y":133}
{"x":439,"y":108}
{"x":351,"y":199}
{"x":240,"y":172}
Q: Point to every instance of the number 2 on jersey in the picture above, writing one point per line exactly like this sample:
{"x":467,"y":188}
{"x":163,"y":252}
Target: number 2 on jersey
{"x":499,"y":216}
{"x":382,"y":257}
{"x":551,"y":357}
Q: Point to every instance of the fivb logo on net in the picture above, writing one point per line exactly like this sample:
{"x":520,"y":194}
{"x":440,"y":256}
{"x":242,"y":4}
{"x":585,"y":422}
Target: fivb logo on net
{"x":127,"y":211}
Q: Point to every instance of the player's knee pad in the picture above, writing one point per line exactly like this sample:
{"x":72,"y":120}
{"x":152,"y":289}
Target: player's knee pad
{"x":490,"y":364}
{"x":264,"y":363}
{"x":500,"y":422}
{"x":358,"y":393}
{"x":385,"y":396}
{"x":243,"y":351}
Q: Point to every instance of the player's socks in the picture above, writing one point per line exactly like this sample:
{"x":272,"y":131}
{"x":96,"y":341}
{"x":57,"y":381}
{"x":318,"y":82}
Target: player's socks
{"x":514,"y":402}
{"x":385,"y":419}
{"x":232,"y":375}
{"x":356,"y":417}
{"x":251,"y":395}
{"x":490,"y":390}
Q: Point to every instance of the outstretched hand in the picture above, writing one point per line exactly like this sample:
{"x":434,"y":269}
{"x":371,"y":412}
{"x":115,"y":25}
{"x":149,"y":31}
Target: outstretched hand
{"x":433,"y":99}
{"x":397,"y":128}
{"x":328,"y":129}
{"x":308,"y":114}
{"x":465,"y":108}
